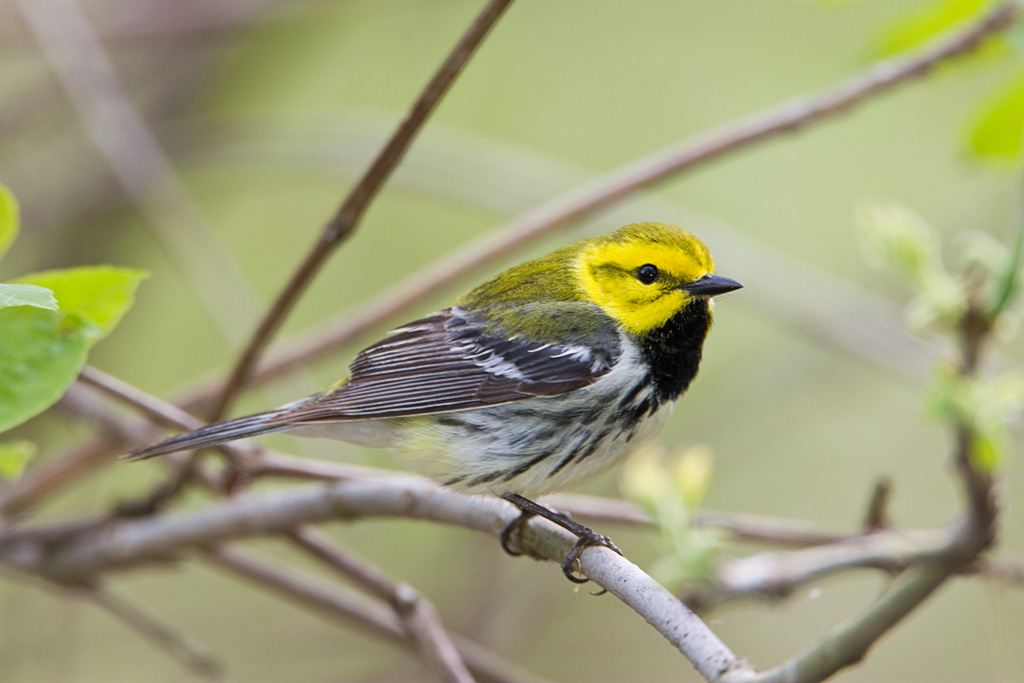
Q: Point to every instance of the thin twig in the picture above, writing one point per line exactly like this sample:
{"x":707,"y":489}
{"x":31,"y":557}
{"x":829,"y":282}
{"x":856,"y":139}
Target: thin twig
{"x":877,"y":515}
{"x":139,"y":162}
{"x":316,"y":544}
{"x":773,"y":576}
{"x":741,"y":527}
{"x":626,"y":180}
{"x":158,"y":633}
{"x":155,"y":410}
{"x":850,"y":642}
{"x":968,"y":539}
{"x":1009,"y":571}
{"x":418,"y":616}
{"x":776,"y":575}
{"x":536,"y":223}
{"x":347,"y":218}
{"x":40,"y":482}
{"x":135,"y":432}
{"x":375,"y":620}
{"x":132,"y":542}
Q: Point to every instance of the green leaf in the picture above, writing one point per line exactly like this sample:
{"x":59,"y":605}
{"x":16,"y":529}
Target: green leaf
{"x":41,"y":353}
{"x":14,"y":455}
{"x":8,"y":219}
{"x":925,"y":25}
{"x":98,"y":295}
{"x":26,"y":295}
{"x":1008,"y":281}
{"x":996,"y":126}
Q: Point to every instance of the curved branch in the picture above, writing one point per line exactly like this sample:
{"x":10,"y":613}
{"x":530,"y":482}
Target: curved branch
{"x":626,"y":180}
{"x":130,"y":543}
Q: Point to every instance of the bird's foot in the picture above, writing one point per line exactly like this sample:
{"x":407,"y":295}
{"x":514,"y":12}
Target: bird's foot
{"x":585,"y":537}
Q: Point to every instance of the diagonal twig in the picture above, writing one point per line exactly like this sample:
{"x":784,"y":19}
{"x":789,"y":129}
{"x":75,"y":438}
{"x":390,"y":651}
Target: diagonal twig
{"x":484,"y":664}
{"x":418,"y":617}
{"x":787,"y":117}
{"x":133,"y":542}
{"x":347,"y":218}
{"x":138,"y":161}
{"x":158,"y":633}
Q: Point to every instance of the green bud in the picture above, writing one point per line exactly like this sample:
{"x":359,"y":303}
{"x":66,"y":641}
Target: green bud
{"x":692,"y":469}
{"x":14,"y":455}
{"x":895,"y":235}
{"x":985,"y":407}
{"x":644,"y":478}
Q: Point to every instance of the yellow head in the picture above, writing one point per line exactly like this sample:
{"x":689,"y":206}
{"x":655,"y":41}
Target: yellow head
{"x":645,"y":273}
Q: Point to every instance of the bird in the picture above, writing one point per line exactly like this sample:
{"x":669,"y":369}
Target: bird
{"x":536,"y":381}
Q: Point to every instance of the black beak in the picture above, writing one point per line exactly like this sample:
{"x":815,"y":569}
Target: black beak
{"x":710,"y":285}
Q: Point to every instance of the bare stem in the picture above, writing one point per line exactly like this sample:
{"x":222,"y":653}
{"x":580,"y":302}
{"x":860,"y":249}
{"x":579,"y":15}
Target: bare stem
{"x":132,"y":542}
{"x":624,"y":181}
{"x":347,"y":218}
{"x":138,"y":161}
{"x":419,"y":618}
{"x":158,"y":633}
{"x":380,"y":622}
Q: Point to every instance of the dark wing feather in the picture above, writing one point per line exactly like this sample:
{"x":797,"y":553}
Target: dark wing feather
{"x":450,"y":361}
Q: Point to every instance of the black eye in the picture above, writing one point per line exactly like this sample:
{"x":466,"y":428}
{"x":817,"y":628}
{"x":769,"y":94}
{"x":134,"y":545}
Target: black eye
{"x":647,"y":273}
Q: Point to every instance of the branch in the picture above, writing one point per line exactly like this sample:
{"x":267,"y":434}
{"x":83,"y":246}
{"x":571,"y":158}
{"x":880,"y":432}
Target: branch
{"x":138,"y":161}
{"x":419,"y":618}
{"x":347,"y":218}
{"x":134,"y":542}
{"x":625,"y":181}
{"x":776,"y":575}
{"x":39,"y":482}
{"x":484,"y":664}
{"x":161,"y":635}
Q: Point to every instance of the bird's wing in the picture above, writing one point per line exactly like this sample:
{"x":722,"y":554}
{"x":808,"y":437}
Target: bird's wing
{"x":453,"y":361}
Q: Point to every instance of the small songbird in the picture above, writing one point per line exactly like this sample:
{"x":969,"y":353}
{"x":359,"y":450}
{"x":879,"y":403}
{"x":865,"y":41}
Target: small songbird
{"x":534,"y":382}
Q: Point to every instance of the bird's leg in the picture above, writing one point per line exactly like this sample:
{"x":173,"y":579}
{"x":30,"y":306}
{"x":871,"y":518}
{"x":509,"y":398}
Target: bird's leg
{"x":585,"y":537}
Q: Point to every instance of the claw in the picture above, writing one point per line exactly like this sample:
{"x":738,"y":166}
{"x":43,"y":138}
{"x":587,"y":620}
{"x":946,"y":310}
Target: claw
{"x":514,"y":528}
{"x":585,"y":537}
{"x":584,"y":541}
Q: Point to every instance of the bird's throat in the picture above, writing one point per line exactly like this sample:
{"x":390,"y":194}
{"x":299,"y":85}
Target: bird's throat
{"x":673,"y":350}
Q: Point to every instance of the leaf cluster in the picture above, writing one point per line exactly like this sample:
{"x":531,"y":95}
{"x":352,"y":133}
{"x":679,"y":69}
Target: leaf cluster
{"x":48,"y":322}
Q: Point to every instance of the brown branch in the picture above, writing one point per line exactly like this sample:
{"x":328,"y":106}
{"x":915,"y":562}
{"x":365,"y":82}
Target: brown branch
{"x":43,"y":480}
{"x":161,"y":635}
{"x":347,"y":218}
{"x":967,"y":541}
{"x":155,"y":410}
{"x":624,"y":181}
{"x":372,"y":619}
{"x":132,"y":542}
{"x":138,"y":161}
{"x":739,"y":527}
{"x":419,"y":618}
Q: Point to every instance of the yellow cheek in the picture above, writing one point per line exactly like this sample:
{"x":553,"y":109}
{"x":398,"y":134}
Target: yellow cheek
{"x":640,"y":314}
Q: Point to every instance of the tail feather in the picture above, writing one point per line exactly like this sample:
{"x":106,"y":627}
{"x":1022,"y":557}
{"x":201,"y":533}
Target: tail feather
{"x":215,"y":434}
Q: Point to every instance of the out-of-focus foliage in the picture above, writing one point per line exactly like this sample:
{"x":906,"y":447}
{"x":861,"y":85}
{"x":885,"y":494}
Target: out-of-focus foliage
{"x":987,"y":407}
{"x":270,"y":110}
{"x":995,"y":130}
{"x":671,"y":489}
{"x":898,"y":237}
{"x":48,"y":321}
{"x":927,"y":23}
{"x":17,"y":294}
{"x":14,"y":455}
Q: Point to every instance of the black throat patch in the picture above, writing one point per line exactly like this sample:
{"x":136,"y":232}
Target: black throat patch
{"x":674,"y":350}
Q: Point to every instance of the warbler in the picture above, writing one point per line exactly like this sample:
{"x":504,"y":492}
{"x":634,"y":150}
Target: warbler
{"x":536,"y":381}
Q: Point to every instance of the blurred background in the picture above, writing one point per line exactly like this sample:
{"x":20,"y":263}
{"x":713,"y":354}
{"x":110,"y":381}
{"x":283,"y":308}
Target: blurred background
{"x":267,"y":111}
